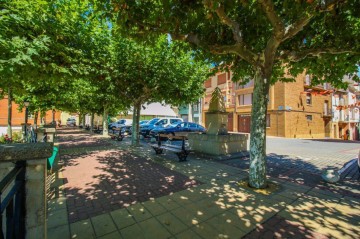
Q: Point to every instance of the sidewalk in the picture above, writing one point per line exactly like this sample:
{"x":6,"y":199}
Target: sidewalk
{"x":110,"y":190}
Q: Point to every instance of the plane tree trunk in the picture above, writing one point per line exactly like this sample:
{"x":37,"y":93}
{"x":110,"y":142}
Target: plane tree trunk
{"x":105,"y":122}
{"x":9,"y":127}
{"x":257,"y":169}
{"x":135,"y":137}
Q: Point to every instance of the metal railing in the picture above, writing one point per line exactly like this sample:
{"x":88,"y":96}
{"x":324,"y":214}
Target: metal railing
{"x":13,"y":203}
{"x":327,"y":112}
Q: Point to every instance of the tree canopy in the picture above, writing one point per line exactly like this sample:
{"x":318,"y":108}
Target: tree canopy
{"x":162,"y":71}
{"x":263,"y":39}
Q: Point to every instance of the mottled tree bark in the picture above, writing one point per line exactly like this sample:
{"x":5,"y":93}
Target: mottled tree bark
{"x":83,"y":120}
{"x":36,"y":116}
{"x":92,"y":122}
{"x":135,"y":137}
{"x":257,"y":170}
{"x":9,"y":127}
{"x":105,"y":122}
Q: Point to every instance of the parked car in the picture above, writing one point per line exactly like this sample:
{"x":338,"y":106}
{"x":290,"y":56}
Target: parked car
{"x":120,"y":122}
{"x":179,"y":129}
{"x":142,"y":122}
{"x":71,"y":122}
{"x":128,"y":129}
{"x":161,"y":122}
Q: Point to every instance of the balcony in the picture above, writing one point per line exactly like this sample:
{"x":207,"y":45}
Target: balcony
{"x":328,"y":113}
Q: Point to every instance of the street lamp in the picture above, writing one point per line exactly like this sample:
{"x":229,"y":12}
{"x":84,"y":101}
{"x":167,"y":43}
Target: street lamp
{"x":53,"y":117}
{"x":26,"y":104}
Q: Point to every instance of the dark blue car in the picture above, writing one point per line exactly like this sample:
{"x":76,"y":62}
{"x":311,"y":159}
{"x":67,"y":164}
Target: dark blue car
{"x":180,"y":129}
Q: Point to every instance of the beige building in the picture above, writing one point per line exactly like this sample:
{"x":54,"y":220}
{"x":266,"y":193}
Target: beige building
{"x":295,"y":109}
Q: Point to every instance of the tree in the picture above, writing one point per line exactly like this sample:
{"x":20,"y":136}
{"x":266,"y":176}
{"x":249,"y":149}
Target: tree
{"x":159,"y":72}
{"x":264,"y":39}
{"x":40,"y":49}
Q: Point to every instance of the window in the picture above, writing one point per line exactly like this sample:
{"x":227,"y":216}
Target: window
{"x":162,"y":122}
{"x":307,"y":80}
{"x":221,"y":79}
{"x":245,"y":99}
{"x":267,"y":121}
{"x":247,"y":85}
{"x":195,"y":107}
{"x":173,"y":121}
{"x":309,"y":117}
{"x":208,"y":83}
{"x":192,"y":125}
{"x":308,"y":99}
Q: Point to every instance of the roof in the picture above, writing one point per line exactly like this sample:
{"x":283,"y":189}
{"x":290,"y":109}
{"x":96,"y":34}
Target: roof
{"x":156,"y":109}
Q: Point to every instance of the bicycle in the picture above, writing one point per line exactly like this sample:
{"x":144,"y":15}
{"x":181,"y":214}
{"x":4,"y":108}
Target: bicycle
{"x":30,"y":136}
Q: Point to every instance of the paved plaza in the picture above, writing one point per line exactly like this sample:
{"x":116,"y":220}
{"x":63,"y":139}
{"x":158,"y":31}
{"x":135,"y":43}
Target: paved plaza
{"x":108,"y":189}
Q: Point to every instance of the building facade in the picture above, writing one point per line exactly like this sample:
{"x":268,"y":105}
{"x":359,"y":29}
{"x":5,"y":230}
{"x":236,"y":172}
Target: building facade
{"x":346,"y":112}
{"x":18,"y":116}
{"x":295,"y":109}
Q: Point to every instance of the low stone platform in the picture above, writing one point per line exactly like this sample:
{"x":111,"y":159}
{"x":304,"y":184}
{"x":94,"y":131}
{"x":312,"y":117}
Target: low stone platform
{"x":218,"y":144}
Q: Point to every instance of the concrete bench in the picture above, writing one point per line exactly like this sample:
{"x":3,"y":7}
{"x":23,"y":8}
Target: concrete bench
{"x":179,"y":150}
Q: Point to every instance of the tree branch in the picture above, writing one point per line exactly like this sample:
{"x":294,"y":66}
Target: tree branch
{"x":298,"y":56}
{"x":269,"y":10}
{"x":238,"y":49}
{"x":220,"y":12}
{"x":298,"y":26}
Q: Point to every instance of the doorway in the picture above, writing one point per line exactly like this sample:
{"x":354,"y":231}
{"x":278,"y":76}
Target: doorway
{"x":244,"y":123}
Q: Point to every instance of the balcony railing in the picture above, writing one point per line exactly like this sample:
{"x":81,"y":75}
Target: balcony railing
{"x":327,"y":113}
{"x":13,"y":203}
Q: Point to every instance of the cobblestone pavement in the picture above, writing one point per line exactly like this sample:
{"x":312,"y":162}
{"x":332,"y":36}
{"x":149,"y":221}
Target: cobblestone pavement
{"x":218,"y":208}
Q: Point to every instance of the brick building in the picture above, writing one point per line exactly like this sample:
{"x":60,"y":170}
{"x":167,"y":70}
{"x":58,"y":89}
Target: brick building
{"x":295,"y":109}
{"x":18,"y":117}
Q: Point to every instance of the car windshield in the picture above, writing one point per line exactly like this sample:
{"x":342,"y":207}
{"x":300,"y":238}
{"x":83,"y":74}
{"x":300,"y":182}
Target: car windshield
{"x":121,"y":121}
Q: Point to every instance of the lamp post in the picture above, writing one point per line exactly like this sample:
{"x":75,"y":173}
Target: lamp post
{"x":26,"y":104}
{"x":53,"y":117}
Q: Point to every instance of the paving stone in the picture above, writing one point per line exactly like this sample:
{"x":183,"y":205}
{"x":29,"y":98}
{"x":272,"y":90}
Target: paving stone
{"x":206,"y":231}
{"x":133,"y":231}
{"x":113,"y":235}
{"x":59,"y":232}
{"x":58,"y":203}
{"x":154,"y":207}
{"x":122,"y":218}
{"x":217,"y":204}
{"x":168,"y":203}
{"x":154,"y":229}
{"x":187,"y":217}
{"x":246,"y":219}
{"x":226,"y":228}
{"x":82,"y":230}
{"x":171,"y":223}
{"x":205,"y":209}
{"x":139,"y":212}
{"x":188,"y":234}
{"x":57,"y":218}
{"x":103,"y":224}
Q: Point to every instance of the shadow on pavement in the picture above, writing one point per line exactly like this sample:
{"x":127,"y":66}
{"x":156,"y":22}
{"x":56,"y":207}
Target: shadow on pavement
{"x":302,"y":172}
{"x":103,"y":181}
